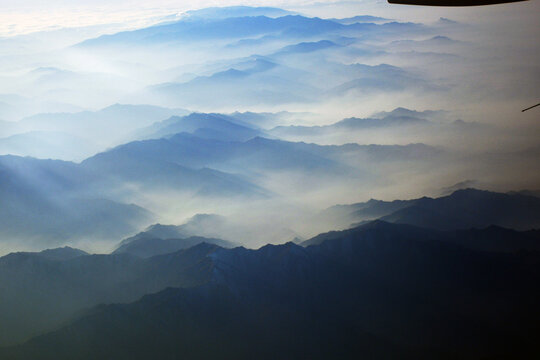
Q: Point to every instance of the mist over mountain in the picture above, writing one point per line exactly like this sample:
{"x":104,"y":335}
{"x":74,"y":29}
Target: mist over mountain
{"x":463,"y":209}
{"x":351,"y":124}
{"x":255,"y":153}
{"x":401,"y":126}
{"x":14,"y":107}
{"x":213,"y":156}
{"x":221,"y":28}
{"x":171,"y":174}
{"x":265,"y":120}
{"x":162,"y":239}
{"x":264,"y":82}
{"x":151,"y":173}
{"x":47,"y":145}
{"x":212,"y":126}
{"x":42,"y":203}
{"x":108,"y":126}
{"x":200,"y":224}
{"x":143,"y":246}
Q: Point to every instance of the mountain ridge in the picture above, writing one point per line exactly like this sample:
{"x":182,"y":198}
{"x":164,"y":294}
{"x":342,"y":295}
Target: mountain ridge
{"x":346,"y":270}
{"x":462,"y":209}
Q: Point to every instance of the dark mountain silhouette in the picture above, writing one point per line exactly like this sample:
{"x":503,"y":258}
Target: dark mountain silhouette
{"x":42,"y":292}
{"x":497,"y":239}
{"x":204,"y":323}
{"x":379,"y":291}
{"x":160,"y":231}
{"x":462,"y":185}
{"x":535,"y":193}
{"x":63,"y":253}
{"x":145,"y":246}
{"x":490,"y":239}
{"x":346,"y":215}
{"x":163,"y":239}
{"x":198,"y":225}
{"x":463,"y":209}
{"x":451,"y":3}
{"x":471,"y":208}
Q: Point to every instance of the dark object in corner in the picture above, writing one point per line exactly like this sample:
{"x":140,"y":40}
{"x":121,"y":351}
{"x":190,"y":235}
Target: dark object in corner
{"x":530,"y":107}
{"x":452,"y":2}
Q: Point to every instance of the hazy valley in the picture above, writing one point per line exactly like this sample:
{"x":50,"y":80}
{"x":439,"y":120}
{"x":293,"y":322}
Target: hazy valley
{"x":312,"y":181}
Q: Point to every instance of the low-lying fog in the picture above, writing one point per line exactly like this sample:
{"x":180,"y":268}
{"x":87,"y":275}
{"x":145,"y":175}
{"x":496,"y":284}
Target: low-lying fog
{"x":315,"y":111}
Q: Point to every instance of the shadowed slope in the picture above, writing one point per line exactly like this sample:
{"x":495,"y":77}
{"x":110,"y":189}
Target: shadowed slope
{"x":399,"y":282}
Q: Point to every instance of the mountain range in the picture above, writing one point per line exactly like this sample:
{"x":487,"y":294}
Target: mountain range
{"x":169,"y":181}
{"x":210,"y":126}
{"x":284,"y":299}
{"x":47,"y":202}
{"x":214,"y":156}
{"x":399,"y":118}
{"x":162,"y":239}
{"x":221,"y":28}
{"x":463,"y":209}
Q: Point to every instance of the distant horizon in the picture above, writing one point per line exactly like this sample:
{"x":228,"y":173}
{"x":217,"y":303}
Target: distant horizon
{"x":29,"y":16}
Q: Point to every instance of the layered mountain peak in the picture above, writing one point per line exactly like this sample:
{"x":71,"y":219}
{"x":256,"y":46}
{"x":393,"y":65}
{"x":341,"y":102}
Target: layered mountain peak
{"x":463,"y":209}
{"x":63,"y":253}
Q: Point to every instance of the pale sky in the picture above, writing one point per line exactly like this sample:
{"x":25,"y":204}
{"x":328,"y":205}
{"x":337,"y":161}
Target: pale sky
{"x":24,"y":16}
